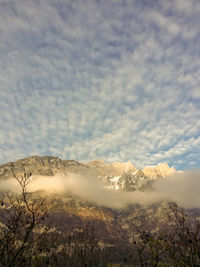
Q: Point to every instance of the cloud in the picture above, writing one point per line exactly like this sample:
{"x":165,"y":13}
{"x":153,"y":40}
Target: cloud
{"x":182,"y":188}
{"x":164,"y":22}
{"x":100,"y":79}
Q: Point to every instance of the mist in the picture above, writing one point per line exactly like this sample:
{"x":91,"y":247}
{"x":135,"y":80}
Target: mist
{"x":183,"y":188}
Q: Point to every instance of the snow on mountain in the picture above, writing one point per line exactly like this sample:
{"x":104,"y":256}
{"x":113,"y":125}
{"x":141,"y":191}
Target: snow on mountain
{"x":124,"y":176}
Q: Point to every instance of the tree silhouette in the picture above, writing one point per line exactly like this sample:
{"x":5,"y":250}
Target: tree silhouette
{"x":20,"y":216}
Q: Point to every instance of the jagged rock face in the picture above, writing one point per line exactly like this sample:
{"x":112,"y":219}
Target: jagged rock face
{"x":113,"y":169}
{"x":124,"y":176}
{"x":118,"y":175}
{"x":159,"y":171}
{"x":128,"y":181}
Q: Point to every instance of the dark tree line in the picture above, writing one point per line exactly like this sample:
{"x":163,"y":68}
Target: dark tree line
{"x":174,"y":243}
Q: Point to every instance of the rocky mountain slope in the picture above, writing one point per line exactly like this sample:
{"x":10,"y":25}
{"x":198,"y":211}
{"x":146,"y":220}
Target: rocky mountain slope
{"x":117,"y":175}
{"x":46,"y":165}
{"x":120,"y":232}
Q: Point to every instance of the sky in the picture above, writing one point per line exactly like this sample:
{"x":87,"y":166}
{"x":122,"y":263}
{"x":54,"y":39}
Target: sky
{"x":115,"y":80}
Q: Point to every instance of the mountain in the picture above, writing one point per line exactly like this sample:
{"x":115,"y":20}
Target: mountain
{"x":117,"y":175}
{"x":121,"y":233}
{"x":113,"y":169}
{"x":49,"y":165}
{"x":159,"y":171}
{"x":46,"y":165}
{"x":114,"y":176}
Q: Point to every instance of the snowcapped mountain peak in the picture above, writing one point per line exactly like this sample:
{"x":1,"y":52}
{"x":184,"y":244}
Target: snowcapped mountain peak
{"x":116,"y":175}
{"x":124,"y":176}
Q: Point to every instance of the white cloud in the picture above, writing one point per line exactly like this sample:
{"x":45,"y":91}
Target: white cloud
{"x":116,"y":82}
{"x":164,"y":22}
